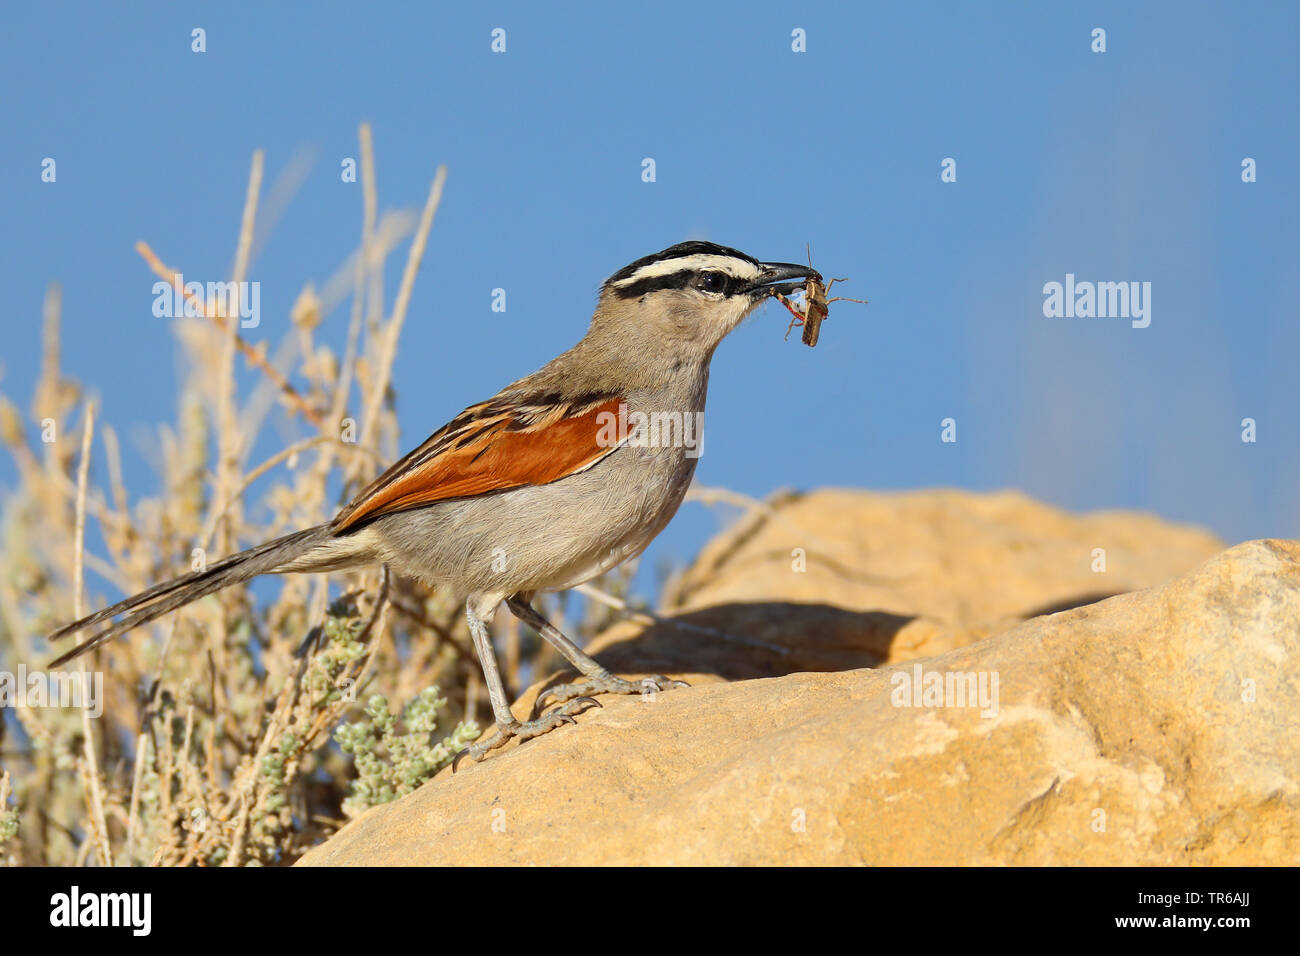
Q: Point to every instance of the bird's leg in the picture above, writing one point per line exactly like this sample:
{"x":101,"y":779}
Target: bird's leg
{"x":507,"y":726}
{"x":599,"y":680}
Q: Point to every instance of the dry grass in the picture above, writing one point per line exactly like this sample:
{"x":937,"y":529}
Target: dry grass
{"x":216,"y":743}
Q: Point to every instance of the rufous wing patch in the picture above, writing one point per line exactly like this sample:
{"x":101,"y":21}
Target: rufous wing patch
{"x":484,"y":455}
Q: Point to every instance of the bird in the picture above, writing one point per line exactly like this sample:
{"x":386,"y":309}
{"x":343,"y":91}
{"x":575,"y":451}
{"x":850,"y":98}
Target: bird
{"x":551,"y":482}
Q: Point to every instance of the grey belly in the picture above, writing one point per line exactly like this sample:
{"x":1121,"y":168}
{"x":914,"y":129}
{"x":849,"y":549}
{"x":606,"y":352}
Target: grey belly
{"x":543,"y":537}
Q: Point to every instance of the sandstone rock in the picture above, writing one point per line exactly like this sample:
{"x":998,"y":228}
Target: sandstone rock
{"x":1155,"y":727}
{"x":892,"y":577}
{"x":943,"y":568}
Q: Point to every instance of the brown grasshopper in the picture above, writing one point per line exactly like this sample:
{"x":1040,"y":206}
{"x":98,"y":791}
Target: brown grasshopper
{"x":816,"y":306}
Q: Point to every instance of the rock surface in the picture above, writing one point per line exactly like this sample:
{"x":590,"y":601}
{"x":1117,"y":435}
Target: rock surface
{"x":1154,"y":727}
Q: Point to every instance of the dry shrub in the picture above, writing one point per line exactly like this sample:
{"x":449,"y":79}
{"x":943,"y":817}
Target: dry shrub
{"x":216,"y":744}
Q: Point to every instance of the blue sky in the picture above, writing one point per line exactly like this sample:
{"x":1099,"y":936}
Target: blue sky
{"x":1115,"y":166}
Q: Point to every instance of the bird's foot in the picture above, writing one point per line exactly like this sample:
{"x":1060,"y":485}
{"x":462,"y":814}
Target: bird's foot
{"x":526,"y":730}
{"x":607,"y":684}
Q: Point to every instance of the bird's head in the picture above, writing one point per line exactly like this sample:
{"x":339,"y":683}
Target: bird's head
{"x":690,"y":295}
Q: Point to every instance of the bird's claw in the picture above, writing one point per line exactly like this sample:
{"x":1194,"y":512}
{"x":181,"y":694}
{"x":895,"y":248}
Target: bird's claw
{"x":525,"y":730}
{"x":607,"y":684}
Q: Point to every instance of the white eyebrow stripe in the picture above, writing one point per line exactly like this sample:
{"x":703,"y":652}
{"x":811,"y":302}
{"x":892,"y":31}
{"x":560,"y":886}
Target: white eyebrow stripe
{"x":732,"y":266}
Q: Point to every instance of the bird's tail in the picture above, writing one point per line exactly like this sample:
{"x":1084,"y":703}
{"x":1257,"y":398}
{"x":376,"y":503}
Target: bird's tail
{"x":276,"y":555}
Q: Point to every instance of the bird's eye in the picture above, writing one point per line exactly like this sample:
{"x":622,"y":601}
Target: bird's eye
{"x":712,"y":282}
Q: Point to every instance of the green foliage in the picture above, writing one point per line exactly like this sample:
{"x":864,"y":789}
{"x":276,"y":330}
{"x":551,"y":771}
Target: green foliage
{"x":343,"y":629}
{"x":8,"y":818}
{"x":8,"y":827}
{"x":394,"y":756}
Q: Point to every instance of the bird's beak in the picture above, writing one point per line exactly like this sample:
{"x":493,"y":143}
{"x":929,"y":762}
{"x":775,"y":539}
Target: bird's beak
{"x":775,"y":276}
